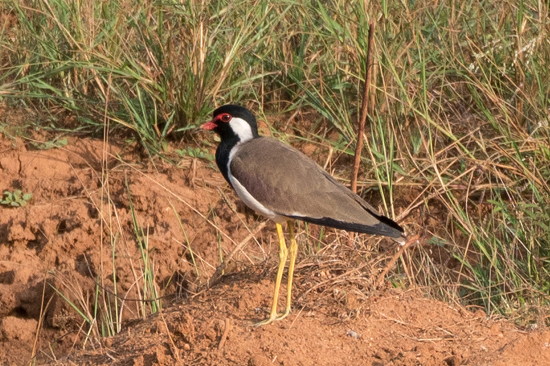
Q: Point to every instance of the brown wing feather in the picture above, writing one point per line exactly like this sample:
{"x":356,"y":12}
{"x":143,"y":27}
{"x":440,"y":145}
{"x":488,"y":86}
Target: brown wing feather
{"x":290,"y":184}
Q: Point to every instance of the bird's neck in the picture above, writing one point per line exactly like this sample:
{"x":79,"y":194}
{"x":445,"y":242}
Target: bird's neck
{"x":223,"y":154}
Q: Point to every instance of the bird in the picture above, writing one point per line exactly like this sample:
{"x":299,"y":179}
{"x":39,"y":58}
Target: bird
{"x":281,"y":183}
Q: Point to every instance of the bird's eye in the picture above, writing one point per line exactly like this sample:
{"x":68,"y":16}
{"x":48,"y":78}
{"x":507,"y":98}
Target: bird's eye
{"x":225,"y":117}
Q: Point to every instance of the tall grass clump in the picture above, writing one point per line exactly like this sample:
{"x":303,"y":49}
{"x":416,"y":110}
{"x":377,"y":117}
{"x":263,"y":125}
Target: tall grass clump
{"x":153,"y":68}
{"x":458,"y":143}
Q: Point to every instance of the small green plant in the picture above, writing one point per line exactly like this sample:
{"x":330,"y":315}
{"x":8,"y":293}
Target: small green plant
{"x":16,"y":198}
{"x":196,"y":152}
{"x":48,"y":145}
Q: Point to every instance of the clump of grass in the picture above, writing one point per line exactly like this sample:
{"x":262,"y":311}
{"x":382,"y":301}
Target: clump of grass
{"x":102,"y":311}
{"x":152,"y":69}
{"x":151,"y":302}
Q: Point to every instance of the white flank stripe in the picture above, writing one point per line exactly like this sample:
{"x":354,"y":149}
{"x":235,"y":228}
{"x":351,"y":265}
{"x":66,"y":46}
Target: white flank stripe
{"x":251,"y":202}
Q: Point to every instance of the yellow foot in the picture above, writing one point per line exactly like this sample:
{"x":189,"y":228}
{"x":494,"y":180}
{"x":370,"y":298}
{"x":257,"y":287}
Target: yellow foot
{"x":272,"y":319}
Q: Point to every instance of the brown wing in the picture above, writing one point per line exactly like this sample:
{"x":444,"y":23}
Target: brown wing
{"x":292,"y":185}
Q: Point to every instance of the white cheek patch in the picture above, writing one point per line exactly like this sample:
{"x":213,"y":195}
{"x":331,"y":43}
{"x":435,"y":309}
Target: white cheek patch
{"x":241,"y":128}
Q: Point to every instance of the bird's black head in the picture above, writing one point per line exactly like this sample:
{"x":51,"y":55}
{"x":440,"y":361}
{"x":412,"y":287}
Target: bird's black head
{"x":233,"y":121}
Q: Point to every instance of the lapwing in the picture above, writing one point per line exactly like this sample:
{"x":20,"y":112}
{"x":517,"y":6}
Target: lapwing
{"x":282,"y":184}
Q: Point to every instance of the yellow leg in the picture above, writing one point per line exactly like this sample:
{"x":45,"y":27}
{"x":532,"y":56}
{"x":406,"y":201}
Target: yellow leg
{"x":283,"y":254}
{"x":293,"y":252}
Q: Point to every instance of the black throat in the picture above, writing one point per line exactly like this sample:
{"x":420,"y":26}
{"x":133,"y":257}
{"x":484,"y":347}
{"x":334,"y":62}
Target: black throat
{"x":222,"y":155}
